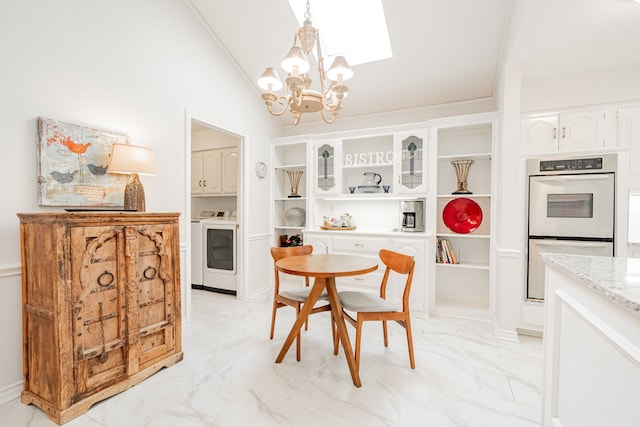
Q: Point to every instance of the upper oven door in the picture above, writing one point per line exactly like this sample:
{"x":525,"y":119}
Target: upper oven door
{"x":572,"y":205}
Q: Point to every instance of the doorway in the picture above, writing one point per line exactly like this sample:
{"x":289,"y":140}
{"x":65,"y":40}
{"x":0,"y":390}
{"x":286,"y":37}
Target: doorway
{"x":214,"y":177}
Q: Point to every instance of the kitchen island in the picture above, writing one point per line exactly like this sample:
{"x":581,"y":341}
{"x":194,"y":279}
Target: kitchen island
{"x":591,"y":341}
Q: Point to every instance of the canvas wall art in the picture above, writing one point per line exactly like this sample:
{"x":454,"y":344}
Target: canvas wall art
{"x":72,"y":166}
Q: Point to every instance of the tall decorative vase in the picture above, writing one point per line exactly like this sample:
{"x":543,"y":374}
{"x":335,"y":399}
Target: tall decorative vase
{"x":462,"y":173}
{"x":294,"y":179}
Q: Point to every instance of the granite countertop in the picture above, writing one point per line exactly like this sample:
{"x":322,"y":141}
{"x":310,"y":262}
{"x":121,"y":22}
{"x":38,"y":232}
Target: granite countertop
{"x":615,"y":278}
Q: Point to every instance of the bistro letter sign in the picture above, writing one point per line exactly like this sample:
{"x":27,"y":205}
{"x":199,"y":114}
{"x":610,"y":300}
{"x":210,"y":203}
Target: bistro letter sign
{"x":371,"y":158}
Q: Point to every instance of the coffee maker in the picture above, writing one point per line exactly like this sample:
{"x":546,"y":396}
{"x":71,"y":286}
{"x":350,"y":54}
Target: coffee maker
{"x":412,"y":215}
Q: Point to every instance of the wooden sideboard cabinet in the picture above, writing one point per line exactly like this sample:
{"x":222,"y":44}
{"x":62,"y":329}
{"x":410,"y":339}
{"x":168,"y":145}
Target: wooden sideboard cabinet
{"x":101,"y":305}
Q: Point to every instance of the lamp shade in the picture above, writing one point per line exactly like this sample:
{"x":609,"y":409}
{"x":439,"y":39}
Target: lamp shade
{"x":295,"y":58}
{"x":130,"y":159}
{"x":340,"y":66}
{"x":270,"y":77}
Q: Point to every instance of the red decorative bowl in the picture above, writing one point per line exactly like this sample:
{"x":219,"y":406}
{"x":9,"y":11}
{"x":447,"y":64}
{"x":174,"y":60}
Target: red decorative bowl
{"x":462,"y":215}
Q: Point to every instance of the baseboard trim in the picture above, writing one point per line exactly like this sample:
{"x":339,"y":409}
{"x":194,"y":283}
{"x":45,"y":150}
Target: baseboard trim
{"x":10,"y":392}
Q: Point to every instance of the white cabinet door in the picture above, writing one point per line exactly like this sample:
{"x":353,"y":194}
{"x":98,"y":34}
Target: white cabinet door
{"x":327,"y":164}
{"x":212,"y":161}
{"x":418,"y":295}
{"x":321,"y":243}
{"x":629,"y":136}
{"x":582,"y":130}
{"x":539,"y":134}
{"x":197,"y":173}
{"x":229,"y":171}
{"x":410,"y":162}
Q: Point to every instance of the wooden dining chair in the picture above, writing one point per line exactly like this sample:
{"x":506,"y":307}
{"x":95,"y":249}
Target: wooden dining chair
{"x":369,"y":306}
{"x":294,"y":297}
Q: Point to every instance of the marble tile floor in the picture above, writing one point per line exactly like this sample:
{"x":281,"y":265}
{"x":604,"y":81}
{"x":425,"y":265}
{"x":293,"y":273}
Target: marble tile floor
{"x":464,"y":377}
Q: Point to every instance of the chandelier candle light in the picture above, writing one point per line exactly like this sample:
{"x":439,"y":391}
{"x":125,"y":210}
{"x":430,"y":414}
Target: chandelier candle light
{"x":462,"y":173}
{"x":299,"y":96}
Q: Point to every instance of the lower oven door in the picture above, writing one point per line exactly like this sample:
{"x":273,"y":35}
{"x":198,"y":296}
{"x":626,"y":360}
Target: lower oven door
{"x":572,"y":205}
{"x":535,"y":284}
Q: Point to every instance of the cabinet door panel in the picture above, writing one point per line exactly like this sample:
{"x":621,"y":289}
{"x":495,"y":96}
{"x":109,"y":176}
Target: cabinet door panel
{"x":155,"y":298}
{"x":212,"y":167}
{"x":197,"y":173}
{"x":581,"y":130}
{"x":230,"y":171}
{"x":539,"y":135}
{"x":99,"y":307}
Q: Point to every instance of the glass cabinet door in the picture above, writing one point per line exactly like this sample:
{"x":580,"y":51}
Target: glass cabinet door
{"x":326,"y":167}
{"x":411,"y":165}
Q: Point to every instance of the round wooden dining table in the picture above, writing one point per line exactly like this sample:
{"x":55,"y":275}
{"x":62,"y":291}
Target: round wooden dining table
{"x":325,"y":269}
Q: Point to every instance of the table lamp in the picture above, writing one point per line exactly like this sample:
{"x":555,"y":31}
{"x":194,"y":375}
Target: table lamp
{"x":132,"y":160}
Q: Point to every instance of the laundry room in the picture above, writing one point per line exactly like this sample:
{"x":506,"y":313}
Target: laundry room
{"x":214,"y":205}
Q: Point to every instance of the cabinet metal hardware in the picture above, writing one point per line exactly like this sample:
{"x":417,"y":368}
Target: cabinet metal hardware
{"x":564,"y":132}
{"x":555,"y":133}
{"x":105,"y":279}
{"x":149,"y":273}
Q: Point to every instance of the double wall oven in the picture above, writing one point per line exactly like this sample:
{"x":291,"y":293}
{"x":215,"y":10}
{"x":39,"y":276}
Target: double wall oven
{"x":571,"y":210}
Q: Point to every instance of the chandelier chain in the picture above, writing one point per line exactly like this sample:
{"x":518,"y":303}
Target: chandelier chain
{"x":307,"y":14}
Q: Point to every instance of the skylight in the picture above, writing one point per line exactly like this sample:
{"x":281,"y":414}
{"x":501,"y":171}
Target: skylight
{"x":356,"y":29}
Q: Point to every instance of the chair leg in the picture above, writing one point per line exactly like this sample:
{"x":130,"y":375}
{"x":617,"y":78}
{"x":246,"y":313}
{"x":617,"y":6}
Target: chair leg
{"x":358,"y":339}
{"x":334,"y":334}
{"x":298,"y":351}
{"x":336,"y":338}
{"x":384,"y":333}
{"x":407,"y":325}
{"x":273,"y":318}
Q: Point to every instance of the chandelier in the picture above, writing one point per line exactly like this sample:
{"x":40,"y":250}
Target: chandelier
{"x":299,"y":98}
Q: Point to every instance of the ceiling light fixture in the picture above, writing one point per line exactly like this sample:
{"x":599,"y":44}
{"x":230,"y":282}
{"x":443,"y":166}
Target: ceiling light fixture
{"x":299,"y":97}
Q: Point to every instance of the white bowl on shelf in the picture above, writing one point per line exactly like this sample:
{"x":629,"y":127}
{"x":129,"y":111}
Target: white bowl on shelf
{"x":369,"y":188}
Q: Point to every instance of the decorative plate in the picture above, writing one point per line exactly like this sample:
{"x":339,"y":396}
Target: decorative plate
{"x":462,"y":215}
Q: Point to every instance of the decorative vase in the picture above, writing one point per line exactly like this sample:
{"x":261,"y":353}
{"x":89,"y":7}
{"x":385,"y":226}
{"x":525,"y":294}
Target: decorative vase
{"x":294,"y":217}
{"x":294,"y":179}
{"x":462,"y":172}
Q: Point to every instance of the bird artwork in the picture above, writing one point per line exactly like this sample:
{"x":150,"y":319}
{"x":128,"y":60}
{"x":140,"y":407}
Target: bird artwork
{"x":78,"y":149}
{"x":64,"y":177}
{"x":97,"y":170}
{"x":72,"y":165}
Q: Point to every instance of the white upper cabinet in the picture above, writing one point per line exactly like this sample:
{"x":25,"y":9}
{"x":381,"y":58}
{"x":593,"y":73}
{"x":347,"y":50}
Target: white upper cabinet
{"x":565,"y":132}
{"x":214,"y":172}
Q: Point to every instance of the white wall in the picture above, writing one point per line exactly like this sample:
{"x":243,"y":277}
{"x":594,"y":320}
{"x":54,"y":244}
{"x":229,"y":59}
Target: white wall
{"x":602,"y":86}
{"x":133,"y":67}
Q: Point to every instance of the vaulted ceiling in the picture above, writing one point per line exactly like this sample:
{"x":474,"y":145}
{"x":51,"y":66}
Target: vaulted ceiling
{"x":443,"y":51}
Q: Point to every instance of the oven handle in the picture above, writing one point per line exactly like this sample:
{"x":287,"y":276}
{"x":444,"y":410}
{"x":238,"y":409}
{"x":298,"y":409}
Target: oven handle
{"x":571,"y":243}
{"x":585,"y":177}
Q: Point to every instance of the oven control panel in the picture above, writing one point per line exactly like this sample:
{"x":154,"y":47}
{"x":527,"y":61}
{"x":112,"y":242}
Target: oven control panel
{"x":571,"y":164}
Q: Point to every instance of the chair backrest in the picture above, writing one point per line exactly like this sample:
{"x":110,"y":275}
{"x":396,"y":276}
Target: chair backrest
{"x":287,"y":251}
{"x":401,"y":264}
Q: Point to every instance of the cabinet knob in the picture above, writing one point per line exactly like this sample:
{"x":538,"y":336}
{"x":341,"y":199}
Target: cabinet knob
{"x":200,"y":183}
{"x":564,"y":132}
{"x":204,"y":183}
{"x":555,"y":133}
{"x":359,"y":245}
